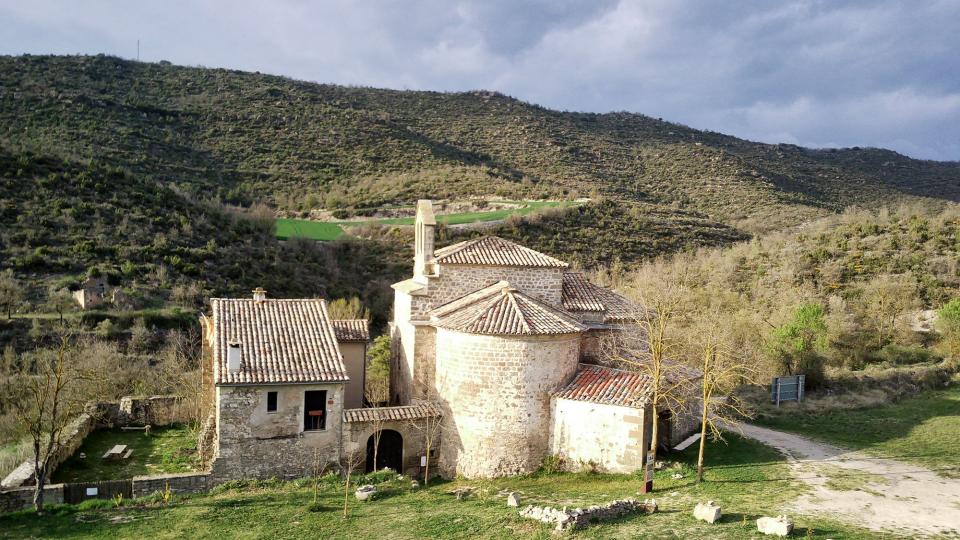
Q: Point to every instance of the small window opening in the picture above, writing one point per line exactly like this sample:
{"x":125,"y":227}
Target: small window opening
{"x":314,"y":410}
{"x":271,"y":402}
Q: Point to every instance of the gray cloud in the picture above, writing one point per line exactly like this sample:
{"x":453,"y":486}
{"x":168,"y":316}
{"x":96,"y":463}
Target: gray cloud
{"x":819,"y":73}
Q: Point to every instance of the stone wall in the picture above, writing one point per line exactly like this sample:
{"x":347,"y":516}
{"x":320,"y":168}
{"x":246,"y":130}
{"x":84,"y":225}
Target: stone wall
{"x":144,"y":486}
{"x":685,"y":422}
{"x":153,"y":410}
{"x":72,"y":437}
{"x":613,"y":437}
{"x":494,"y":393}
{"x":356,"y":435}
{"x":21,"y":498}
{"x":454,"y":281}
{"x":254,"y":443}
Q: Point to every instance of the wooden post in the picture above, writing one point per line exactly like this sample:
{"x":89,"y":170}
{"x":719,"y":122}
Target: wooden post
{"x":778,"y":391}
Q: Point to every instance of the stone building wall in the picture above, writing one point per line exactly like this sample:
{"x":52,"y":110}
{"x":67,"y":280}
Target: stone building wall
{"x":494,"y":393}
{"x":611,"y":436}
{"x":356,"y":435}
{"x":254,"y":443}
{"x":454,"y":281}
{"x":153,"y":410}
{"x":354,"y":360}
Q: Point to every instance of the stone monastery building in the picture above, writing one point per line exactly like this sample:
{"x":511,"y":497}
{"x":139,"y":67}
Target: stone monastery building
{"x":494,"y":363}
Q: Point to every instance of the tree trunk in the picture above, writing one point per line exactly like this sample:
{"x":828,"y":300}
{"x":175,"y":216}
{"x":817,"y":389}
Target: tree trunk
{"x":654,"y":435}
{"x":346,"y":493}
{"x":426,"y":469}
{"x":703,"y":441}
{"x":38,"y":490}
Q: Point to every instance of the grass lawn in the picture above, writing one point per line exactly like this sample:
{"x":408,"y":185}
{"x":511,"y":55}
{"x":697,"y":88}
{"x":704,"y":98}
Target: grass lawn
{"x":746,"y":478}
{"x":315,"y":230}
{"x":922,"y":429}
{"x":169,"y":449}
{"x":326,"y":231}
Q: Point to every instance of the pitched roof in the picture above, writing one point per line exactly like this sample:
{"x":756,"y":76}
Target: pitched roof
{"x":495,"y":251}
{"x":422,"y":409}
{"x":281,"y":341}
{"x":607,"y":386}
{"x":578,"y":294}
{"x":351,"y":329}
{"x":502,"y":310}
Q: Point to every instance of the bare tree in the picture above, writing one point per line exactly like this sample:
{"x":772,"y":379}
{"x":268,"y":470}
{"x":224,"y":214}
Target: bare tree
{"x":430,"y":427}
{"x":647,"y":341}
{"x":886,"y":297}
{"x":377,"y":424}
{"x":723,"y":366}
{"x":349,"y":461}
{"x":53,"y":394}
{"x":179,"y":372}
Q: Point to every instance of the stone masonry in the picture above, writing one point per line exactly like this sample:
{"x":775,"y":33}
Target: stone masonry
{"x":494,"y":392}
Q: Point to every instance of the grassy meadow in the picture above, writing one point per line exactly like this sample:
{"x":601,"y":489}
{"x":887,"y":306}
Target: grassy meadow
{"x":921,"y":429}
{"x":746,"y":478}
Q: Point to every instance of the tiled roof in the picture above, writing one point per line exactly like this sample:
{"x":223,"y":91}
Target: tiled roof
{"x":502,"y":310}
{"x":281,"y":341}
{"x":495,"y":251}
{"x":351,"y":329}
{"x":581,"y":295}
{"x":423,"y":409}
{"x":607,"y":386}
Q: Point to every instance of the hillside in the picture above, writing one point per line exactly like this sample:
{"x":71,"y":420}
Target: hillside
{"x":139,"y":169}
{"x":248,"y":137}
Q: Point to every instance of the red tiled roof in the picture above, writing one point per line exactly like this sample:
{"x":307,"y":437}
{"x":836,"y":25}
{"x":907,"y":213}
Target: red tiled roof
{"x":502,"y":310}
{"x":351,"y":329}
{"x":495,"y":251}
{"x":579,"y":294}
{"x":607,"y":386}
{"x":423,"y":409}
{"x":281,"y":341}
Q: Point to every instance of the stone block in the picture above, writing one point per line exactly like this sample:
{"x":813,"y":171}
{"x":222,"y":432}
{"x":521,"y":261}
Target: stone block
{"x":513,"y":499}
{"x":709,"y":512}
{"x":365,"y":493}
{"x":778,"y":526}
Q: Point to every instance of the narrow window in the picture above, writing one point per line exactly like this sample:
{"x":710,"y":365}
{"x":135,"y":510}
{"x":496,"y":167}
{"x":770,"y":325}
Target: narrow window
{"x":271,"y":402}
{"x":314,"y":410}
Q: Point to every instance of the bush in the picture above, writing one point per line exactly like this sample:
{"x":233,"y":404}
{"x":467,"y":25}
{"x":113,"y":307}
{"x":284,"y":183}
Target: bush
{"x":898,"y":355}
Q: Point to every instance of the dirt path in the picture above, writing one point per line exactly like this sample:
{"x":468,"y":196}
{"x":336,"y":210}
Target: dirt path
{"x":876,"y":493}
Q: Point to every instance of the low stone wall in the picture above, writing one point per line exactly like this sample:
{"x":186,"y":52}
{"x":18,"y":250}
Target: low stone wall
{"x":131,"y":410}
{"x":21,"y":498}
{"x":73,"y":436}
{"x":153,"y":410}
{"x":197,"y":482}
{"x":565,"y":520}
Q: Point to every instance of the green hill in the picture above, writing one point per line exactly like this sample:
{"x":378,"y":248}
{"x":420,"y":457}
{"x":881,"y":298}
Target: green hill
{"x":137,"y":167}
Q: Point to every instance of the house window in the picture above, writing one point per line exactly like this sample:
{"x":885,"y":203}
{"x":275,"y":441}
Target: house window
{"x":314,"y":410}
{"x":271,"y":402}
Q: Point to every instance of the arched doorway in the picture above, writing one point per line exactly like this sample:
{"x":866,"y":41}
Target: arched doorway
{"x":389,"y":451}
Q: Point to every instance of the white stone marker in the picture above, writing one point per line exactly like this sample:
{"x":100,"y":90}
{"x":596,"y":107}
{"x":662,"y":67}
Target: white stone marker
{"x":709,"y":512}
{"x":513,"y":499}
{"x":778,"y":526}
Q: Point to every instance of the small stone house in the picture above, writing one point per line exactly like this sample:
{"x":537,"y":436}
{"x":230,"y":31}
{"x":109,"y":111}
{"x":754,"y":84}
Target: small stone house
{"x":92,"y":293}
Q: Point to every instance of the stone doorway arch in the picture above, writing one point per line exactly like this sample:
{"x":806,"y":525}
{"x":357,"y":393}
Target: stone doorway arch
{"x":389,"y":451}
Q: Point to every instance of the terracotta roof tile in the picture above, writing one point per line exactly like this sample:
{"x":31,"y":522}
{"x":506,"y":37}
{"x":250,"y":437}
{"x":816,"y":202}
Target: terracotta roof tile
{"x":502,"y":310}
{"x":423,"y":409}
{"x":495,"y":251}
{"x":578,"y":294}
{"x":351,"y":329}
{"x":281,"y":341}
{"x":607,"y":386}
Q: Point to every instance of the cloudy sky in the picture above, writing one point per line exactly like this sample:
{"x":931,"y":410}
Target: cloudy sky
{"x":817,"y":73}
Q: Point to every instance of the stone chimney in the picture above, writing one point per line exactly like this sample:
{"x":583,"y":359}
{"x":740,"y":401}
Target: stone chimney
{"x":424,"y":228}
{"x":233,"y":357}
{"x":259,"y":294}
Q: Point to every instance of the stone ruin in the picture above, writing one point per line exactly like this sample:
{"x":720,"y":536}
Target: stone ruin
{"x":565,"y":520}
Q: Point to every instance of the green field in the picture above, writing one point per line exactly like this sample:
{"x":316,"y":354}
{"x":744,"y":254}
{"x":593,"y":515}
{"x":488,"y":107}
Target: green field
{"x":746,"y":478}
{"x":326,"y":231}
{"x":922,"y":429}
{"x":170,"y":449}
